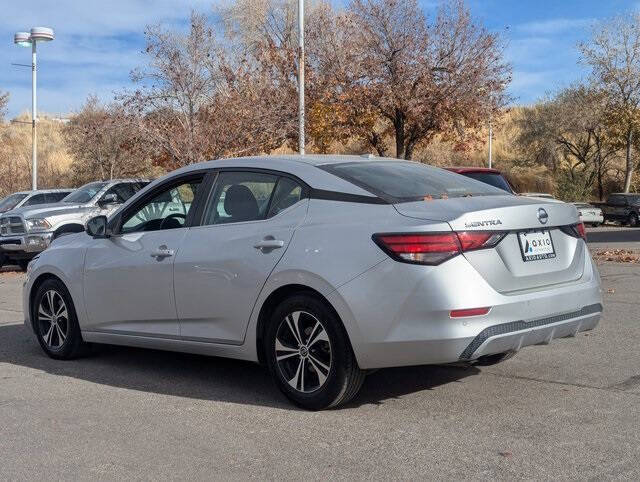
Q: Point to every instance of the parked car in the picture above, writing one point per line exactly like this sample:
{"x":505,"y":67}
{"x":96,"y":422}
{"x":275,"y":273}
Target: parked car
{"x":493,"y":177}
{"x":28,"y":230}
{"x":321,"y":267}
{"x":622,"y":208}
{"x":589,"y":214}
{"x":31,"y":198}
{"x":541,"y":196}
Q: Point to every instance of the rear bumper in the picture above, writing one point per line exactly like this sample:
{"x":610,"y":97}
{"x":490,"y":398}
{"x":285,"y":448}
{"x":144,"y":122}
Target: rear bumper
{"x":512,"y":336}
{"x":401,"y":314}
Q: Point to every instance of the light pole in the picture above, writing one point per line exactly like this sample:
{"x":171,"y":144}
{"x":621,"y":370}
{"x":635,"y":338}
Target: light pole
{"x":301,"y":122}
{"x":490,"y":141}
{"x":30,"y":39}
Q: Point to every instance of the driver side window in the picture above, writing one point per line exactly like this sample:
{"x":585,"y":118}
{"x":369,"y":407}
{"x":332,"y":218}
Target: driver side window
{"x":168,"y":209}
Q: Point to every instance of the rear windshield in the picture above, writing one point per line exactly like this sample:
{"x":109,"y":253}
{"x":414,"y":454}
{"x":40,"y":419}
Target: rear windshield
{"x":492,"y":178}
{"x":401,"y":181}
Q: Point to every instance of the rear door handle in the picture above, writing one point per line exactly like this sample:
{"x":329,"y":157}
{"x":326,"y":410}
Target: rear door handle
{"x":161,"y":253}
{"x":269,"y":244}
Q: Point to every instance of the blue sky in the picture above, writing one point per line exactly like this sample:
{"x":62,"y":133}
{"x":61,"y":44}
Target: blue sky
{"x":98,"y":42}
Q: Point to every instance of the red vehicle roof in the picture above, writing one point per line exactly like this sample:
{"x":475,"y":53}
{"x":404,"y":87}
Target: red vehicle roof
{"x":462,"y":170}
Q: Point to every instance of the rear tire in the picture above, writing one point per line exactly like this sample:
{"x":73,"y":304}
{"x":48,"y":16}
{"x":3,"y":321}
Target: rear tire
{"x":595,"y":225}
{"x":23,"y":263}
{"x":55,"y":322}
{"x":309,"y":354}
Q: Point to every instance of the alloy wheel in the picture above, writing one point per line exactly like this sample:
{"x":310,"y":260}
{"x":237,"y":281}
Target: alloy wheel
{"x":53,"y":319}
{"x":303,"y":351}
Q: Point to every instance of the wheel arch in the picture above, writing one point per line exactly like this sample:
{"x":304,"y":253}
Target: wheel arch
{"x":68,"y":228}
{"x":278,"y":296}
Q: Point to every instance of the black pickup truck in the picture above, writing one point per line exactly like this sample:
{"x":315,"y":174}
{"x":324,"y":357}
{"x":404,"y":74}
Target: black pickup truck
{"x":622,"y":208}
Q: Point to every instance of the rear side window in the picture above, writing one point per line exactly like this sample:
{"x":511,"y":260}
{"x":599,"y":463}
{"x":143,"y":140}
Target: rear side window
{"x":36,"y":199}
{"x":287,"y":193}
{"x":400,"y":181}
{"x":617,"y":201}
{"x":124,"y":190}
{"x":240,"y":197}
{"x":54,"y":197}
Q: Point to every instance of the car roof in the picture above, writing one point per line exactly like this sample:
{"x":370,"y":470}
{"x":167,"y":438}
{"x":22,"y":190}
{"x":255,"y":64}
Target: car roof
{"x":61,"y":189}
{"x":306,"y":167}
{"x":624,"y":194}
{"x":292,"y":159}
{"x":465,"y":170}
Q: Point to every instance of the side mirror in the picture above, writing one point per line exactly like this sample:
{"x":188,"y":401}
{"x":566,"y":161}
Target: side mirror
{"x":97,"y":227}
{"x":107,"y":199}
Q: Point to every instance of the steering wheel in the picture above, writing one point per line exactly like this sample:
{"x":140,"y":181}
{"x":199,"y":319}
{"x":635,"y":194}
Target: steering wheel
{"x":173,"y":216}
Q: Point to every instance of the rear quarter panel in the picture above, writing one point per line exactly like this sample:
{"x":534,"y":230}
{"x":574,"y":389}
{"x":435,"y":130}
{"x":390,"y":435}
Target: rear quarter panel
{"x":335,"y":246}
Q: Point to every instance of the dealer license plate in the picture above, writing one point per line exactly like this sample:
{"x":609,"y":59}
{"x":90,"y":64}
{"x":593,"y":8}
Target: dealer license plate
{"x":536,"y":245}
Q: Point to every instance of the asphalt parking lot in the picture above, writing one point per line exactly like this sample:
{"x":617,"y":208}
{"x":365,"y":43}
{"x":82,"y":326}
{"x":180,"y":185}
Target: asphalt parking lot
{"x":570,"y":410}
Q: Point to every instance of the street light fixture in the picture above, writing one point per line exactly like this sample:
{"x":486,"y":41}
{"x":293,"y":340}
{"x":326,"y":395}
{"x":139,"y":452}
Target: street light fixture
{"x":30,"y":39}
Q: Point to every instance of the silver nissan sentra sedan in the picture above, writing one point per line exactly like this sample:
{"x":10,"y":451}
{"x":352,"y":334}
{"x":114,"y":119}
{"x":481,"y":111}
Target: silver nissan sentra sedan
{"x":320,"y":267}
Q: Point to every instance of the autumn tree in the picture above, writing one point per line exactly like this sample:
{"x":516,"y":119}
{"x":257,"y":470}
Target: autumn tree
{"x":570,"y":133}
{"x":183,"y":75}
{"x":263,"y":38}
{"x":613,"y":53}
{"x":105,"y":143}
{"x":404,"y":77}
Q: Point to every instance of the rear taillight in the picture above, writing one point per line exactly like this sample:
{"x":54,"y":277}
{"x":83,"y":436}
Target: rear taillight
{"x":434,"y":248}
{"x":575,"y":230}
{"x":470,"y":240}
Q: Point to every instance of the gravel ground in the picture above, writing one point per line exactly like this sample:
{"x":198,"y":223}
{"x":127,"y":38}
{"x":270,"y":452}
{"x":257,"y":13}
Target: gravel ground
{"x":570,"y":410}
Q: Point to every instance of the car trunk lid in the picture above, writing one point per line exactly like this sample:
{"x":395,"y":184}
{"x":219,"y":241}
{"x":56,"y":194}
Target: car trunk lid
{"x":504,"y":267}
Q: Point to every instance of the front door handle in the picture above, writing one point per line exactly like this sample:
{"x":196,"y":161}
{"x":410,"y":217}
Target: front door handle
{"x":161,"y":253}
{"x":269,"y":243}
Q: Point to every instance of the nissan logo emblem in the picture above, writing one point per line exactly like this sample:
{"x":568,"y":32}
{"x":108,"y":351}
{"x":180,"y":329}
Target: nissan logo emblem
{"x":543,"y":217}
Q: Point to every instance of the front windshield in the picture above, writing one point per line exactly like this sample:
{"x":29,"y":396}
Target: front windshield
{"x":11,"y":202}
{"x":85,"y":194}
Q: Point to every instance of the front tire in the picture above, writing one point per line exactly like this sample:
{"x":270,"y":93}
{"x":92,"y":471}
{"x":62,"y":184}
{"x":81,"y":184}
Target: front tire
{"x":309,"y":354}
{"x":633,"y":220}
{"x":55,"y":321}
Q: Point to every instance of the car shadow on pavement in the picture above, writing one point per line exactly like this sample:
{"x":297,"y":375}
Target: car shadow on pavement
{"x":201,"y":377}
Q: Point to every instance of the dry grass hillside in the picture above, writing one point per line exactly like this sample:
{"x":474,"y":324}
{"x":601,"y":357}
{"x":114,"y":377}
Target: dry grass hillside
{"x":15,"y":154}
{"x":55,"y":161}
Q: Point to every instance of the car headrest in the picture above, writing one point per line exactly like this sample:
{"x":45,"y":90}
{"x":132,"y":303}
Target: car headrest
{"x":240,"y":203}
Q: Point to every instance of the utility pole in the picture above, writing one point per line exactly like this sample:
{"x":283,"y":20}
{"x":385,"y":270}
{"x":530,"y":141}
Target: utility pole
{"x":30,"y":39}
{"x":34,"y":120}
{"x":490,"y":140}
{"x":301,"y":60}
